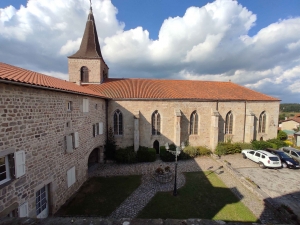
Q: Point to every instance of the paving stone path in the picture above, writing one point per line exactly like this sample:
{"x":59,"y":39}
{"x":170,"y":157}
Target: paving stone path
{"x":149,"y":187}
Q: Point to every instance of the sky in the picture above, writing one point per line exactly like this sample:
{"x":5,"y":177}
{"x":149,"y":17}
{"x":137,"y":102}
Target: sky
{"x":252,"y":43}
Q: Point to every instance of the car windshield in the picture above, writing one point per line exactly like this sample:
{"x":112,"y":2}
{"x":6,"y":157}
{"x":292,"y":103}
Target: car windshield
{"x":274,"y":158}
{"x":283,"y":155}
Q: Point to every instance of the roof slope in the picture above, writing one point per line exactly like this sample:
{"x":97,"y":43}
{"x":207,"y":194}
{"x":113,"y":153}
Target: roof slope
{"x":13,"y":73}
{"x":176,"y":89}
{"x":90,"y":47}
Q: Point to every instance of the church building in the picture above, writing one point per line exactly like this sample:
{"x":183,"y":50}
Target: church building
{"x":51,"y":130}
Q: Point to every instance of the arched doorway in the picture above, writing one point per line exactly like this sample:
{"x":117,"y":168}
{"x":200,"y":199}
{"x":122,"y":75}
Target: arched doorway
{"x":156,"y":146}
{"x":93,"y":159}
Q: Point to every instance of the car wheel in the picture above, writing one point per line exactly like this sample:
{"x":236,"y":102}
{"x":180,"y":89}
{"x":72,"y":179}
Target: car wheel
{"x":284,"y":165}
{"x":244,"y":156}
{"x":261,"y":165}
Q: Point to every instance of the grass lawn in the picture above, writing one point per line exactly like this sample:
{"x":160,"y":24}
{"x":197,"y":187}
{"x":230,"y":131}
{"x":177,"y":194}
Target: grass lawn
{"x":100,"y":196}
{"x":204,"y":196}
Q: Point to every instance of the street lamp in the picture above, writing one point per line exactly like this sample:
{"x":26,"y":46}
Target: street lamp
{"x":176,"y":153}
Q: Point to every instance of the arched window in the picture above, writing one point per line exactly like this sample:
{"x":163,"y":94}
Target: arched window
{"x":84,"y":74}
{"x":194,"y":123}
{"x":262,"y":122}
{"x":118,"y":123}
{"x":229,"y":123}
{"x":155,"y":121}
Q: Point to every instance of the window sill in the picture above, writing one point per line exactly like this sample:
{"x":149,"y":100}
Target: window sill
{"x":6,"y":183}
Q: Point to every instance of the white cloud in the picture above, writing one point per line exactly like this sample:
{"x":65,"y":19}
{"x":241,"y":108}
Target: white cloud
{"x":207,"y":43}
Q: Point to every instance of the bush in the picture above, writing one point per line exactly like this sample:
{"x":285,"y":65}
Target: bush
{"x":256,"y":145}
{"x":165,"y":155}
{"x":277,"y":143}
{"x":201,"y":150}
{"x":190,"y":151}
{"x":145,"y":154}
{"x":245,"y":145}
{"x":289,"y":143}
{"x":126,"y":155}
{"x":228,"y":148}
{"x":282,"y":135}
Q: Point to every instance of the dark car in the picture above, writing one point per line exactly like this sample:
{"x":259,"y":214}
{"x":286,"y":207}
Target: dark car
{"x":286,"y":160}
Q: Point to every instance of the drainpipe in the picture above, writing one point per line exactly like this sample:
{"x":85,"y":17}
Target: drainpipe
{"x":245,"y":121}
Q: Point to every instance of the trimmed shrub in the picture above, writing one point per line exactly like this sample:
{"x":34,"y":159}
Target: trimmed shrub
{"x":245,"y":145}
{"x":145,"y":154}
{"x":277,"y":143}
{"x":201,"y":150}
{"x":165,"y":155}
{"x":228,"y":148}
{"x":282,"y":135}
{"x":289,"y":143}
{"x":190,"y":151}
{"x":256,"y":145}
{"x":126,"y":155}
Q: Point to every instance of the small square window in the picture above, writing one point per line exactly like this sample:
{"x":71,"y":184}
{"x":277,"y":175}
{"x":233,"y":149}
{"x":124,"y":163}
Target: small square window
{"x":68,"y":124}
{"x":96,"y":106}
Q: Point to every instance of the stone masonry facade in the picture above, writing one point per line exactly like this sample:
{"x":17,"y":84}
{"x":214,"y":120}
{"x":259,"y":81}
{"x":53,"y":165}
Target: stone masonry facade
{"x":37,"y":121}
{"x":97,"y":69}
{"x":212,"y":116}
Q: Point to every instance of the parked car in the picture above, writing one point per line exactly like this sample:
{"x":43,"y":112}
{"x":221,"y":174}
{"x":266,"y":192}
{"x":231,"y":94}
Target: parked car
{"x":286,"y":160}
{"x":263,"y":158}
{"x":294,"y":153}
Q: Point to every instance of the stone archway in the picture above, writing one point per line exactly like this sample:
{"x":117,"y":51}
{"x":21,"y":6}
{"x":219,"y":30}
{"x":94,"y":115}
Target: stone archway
{"x":93,"y":160}
{"x":156,"y":146}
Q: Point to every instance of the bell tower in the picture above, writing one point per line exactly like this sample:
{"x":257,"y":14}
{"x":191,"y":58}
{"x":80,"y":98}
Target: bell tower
{"x":87,"y":64}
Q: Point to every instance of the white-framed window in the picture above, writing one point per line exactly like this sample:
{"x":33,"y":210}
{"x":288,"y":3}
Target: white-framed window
{"x":69,"y":106}
{"x":71,"y":176}
{"x":85,"y":107}
{"x":12,"y":166}
{"x":72,"y":142}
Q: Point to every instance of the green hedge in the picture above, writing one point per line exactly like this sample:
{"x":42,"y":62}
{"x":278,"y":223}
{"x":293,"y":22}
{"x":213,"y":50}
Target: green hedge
{"x":201,"y":150}
{"x":145,"y":154}
{"x":126,"y":155}
{"x":165,"y":155}
{"x":277,"y":143}
{"x":256,"y":145}
{"x":229,"y":148}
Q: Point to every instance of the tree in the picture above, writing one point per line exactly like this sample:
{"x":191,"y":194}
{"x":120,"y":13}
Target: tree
{"x":110,"y":146}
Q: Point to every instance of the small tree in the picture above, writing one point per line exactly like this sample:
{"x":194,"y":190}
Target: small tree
{"x":282,"y":135}
{"x":110,"y":145}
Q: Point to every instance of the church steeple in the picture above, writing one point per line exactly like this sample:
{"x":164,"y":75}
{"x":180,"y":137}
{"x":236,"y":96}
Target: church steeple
{"x":87,"y":64}
{"x":90,"y":47}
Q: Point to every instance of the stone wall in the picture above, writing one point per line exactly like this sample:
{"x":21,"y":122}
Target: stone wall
{"x":289,"y":125}
{"x":242,"y":130}
{"x":95,"y":67}
{"x":37,"y":121}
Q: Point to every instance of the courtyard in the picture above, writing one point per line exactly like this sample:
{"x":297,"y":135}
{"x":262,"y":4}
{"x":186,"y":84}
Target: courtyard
{"x":154,"y":200}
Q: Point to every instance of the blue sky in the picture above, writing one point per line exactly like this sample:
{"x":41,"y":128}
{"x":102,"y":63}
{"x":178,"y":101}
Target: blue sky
{"x":255,"y":43}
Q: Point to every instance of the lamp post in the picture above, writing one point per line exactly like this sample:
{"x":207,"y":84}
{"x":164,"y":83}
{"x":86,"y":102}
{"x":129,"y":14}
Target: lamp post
{"x":176,"y":153}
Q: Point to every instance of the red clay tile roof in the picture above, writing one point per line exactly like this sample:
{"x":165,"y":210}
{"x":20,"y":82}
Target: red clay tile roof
{"x":176,"y":89}
{"x":12,"y":73}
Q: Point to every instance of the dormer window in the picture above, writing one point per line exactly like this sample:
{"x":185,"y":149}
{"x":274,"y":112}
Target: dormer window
{"x":84,"y":74}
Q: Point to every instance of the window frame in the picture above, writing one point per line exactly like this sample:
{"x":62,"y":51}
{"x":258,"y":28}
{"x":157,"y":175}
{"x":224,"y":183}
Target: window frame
{"x":7,"y":170}
{"x":262,"y":122}
{"x":194,"y":120}
{"x":156,"y":123}
{"x":118,"y":123}
{"x":229,"y":123}
{"x":84,"y":74}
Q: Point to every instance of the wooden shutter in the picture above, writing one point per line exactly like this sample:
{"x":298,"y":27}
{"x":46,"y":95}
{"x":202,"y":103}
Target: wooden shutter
{"x":20,"y":163}
{"x":71,"y":176}
{"x":100,"y":128}
{"x":69,"y":140}
{"x":76,"y":140}
{"x":23,"y":210}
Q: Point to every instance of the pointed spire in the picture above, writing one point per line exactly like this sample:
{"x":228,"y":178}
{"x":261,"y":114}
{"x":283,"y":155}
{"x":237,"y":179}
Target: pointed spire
{"x":90,"y":47}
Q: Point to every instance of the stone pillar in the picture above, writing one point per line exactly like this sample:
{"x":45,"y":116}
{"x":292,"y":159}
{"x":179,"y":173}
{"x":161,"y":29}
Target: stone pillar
{"x":136,"y":133}
{"x":177,"y":129}
{"x":214,"y":129}
{"x":249,"y":126}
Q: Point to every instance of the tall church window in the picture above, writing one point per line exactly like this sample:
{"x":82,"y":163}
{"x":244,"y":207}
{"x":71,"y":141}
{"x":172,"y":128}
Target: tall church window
{"x":118,"y":123}
{"x":229,"y":123}
{"x":262,"y":122}
{"x":194,"y":123}
{"x":155,"y":121}
{"x":84,"y":74}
